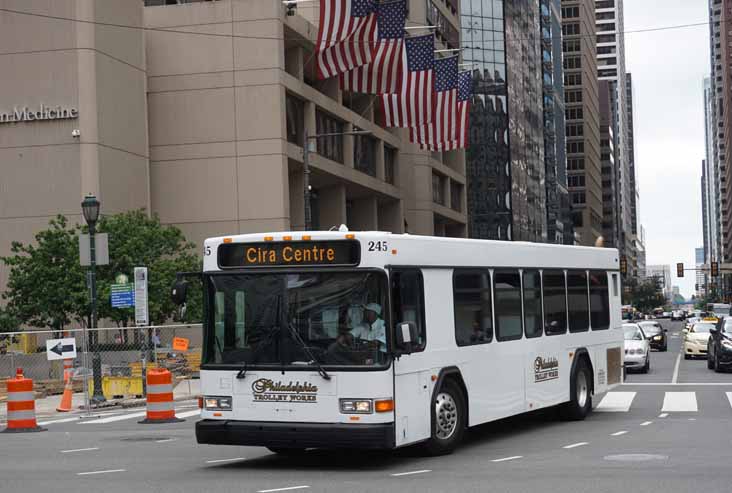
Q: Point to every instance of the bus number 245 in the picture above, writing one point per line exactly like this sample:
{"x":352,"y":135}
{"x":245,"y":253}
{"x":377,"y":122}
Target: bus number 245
{"x":377,"y":246}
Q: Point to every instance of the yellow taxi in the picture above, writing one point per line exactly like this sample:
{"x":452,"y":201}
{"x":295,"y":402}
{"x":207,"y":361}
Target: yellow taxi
{"x":696,"y":338}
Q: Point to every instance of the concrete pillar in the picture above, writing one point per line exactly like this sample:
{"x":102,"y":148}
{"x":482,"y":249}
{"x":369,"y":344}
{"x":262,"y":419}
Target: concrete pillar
{"x":294,"y":62}
{"x":391,"y":216}
{"x":348,"y":146}
{"x":332,"y":201}
{"x":297,"y":201}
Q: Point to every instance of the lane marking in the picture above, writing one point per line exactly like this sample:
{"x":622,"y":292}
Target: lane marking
{"x":663,"y":415}
{"x":616,"y":402}
{"x":79,"y":450}
{"x":729,"y":397}
{"x":65,"y":420}
{"x":675,"y":378}
{"x":679,"y":402}
{"x":618,"y":433}
{"x":692,"y":419}
{"x":115,"y":418}
{"x":100,"y":472}
{"x":289,"y":488}
{"x":646,"y":423}
{"x":165,"y":440}
{"x":508,"y":458}
{"x":188,"y":414}
{"x":575,"y":445}
{"x":421,"y":471}
{"x":216,"y":461}
{"x":659,"y":384}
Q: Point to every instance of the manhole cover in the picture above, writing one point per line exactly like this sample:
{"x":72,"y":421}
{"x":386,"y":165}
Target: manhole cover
{"x":143,"y":439}
{"x":635,"y":457}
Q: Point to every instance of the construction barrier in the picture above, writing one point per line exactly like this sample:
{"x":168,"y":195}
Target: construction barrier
{"x":66,"y":399}
{"x":21,"y":405}
{"x":68,"y":369}
{"x":160,"y":406}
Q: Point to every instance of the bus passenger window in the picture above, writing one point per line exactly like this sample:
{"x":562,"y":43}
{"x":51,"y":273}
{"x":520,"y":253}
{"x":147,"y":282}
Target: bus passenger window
{"x":407,"y":288}
{"x":579,"y":310}
{"x":599,"y":301}
{"x":532,"y":304}
{"x":473,"y":309}
{"x":555,"y":302}
{"x":507,"y":288}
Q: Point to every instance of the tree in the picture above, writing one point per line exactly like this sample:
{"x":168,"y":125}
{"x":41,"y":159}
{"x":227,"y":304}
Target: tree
{"x":644,"y":295}
{"x":46,"y":286}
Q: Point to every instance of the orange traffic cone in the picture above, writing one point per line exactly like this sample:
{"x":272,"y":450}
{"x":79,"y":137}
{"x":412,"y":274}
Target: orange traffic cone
{"x":65,"y":405}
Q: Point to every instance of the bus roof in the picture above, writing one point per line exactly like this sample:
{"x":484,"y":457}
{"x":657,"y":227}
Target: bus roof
{"x":379,"y":249}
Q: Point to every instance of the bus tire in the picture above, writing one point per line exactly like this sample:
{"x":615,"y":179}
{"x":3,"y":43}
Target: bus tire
{"x":580,"y":394}
{"x":448,"y":419}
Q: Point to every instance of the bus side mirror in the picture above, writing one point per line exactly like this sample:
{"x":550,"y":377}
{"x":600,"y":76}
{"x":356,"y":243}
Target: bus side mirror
{"x":179,"y":292}
{"x":406,"y":335}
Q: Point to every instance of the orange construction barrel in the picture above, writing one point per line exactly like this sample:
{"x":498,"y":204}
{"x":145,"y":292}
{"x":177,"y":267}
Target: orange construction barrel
{"x":160,"y":407}
{"x":21,"y":405}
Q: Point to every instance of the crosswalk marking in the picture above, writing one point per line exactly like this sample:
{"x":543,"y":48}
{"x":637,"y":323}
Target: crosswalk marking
{"x":616,"y":402}
{"x":679,"y":402}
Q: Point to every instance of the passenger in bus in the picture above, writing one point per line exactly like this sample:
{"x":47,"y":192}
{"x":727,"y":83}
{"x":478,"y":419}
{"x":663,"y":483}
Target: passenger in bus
{"x":478,"y":334}
{"x":373,"y":328}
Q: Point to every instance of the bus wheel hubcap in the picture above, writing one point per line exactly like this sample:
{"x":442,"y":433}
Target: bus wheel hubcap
{"x":582,"y":390}
{"x":446,"y":415}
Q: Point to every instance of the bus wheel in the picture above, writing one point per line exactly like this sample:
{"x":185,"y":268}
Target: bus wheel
{"x":290,"y":452}
{"x":448,"y":420}
{"x":580,"y":396}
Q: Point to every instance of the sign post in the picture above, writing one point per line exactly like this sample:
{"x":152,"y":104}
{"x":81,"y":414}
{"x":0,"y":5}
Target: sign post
{"x":142,"y":317}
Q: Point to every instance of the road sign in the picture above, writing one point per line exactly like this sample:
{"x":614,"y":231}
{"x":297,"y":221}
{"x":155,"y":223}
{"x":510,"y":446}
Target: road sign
{"x":122,"y":295}
{"x":60,"y":349}
{"x":101,"y":249}
{"x":141,"y":314}
{"x":180,"y":344}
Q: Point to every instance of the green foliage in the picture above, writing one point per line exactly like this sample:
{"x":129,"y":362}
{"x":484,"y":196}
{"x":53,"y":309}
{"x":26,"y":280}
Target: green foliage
{"x":47,"y":286}
{"x":644,"y":295}
{"x":8,"y":323}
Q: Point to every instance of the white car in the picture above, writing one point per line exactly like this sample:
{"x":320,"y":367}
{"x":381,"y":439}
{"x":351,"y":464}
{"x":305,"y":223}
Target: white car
{"x":696,"y":339}
{"x":691,"y":321}
{"x":637,"y":349}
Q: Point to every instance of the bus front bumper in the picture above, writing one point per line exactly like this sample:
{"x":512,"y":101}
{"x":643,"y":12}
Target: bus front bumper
{"x":296,"y":435}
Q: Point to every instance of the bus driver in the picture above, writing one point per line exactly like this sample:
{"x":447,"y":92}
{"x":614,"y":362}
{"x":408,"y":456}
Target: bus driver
{"x":373,"y":328}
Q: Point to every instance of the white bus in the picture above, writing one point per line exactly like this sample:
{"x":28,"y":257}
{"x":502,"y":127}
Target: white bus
{"x":377,"y":340}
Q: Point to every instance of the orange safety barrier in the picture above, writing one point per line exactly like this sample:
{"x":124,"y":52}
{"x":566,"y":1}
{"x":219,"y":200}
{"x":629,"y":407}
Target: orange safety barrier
{"x":21,"y":405}
{"x":160,"y":408}
{"x":68,"y":369}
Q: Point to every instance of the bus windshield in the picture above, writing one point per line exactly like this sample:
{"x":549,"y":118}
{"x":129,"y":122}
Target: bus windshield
{"x":296,"y":319}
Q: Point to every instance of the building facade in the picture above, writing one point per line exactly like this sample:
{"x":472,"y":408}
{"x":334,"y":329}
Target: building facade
{"x":204,"y":126}
{"x":662,"y":275}
{"x":701,"y":275}
{"x":505,"y":161}
{"x":582,"y":115}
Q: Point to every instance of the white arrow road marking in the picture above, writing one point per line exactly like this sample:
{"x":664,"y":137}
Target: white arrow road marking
{"x":421,"y":471}
{"x":508,"y":458}
{"x":99,"y":472}
{"x":575,"y":445}
{"x":216,"y":461}
{"x":79,"y":450}
{"x":618,"y":433}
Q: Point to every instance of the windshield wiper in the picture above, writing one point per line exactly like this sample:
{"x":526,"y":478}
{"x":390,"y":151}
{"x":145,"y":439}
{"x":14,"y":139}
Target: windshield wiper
{"x":298,"y":339}
{"x":243,"y":372}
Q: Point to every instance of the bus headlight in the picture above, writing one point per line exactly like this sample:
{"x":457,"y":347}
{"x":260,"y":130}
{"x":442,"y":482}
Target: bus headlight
{"x":356,"y":406}
{"x":216,"y":403}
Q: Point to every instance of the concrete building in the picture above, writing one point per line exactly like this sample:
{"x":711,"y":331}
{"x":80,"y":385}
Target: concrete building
{"x":635,"y":222}
{"x":582,"y":118}
{"x":712,"y":185}
{"x":505,"y":161}
{"x":611,"y":227}
{"x":701,"y":276}
{"x":203,"y":124}
{"x":662,"y":275}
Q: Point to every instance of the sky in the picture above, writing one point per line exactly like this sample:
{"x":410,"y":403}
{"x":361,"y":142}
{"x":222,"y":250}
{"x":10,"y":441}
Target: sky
{"x":668,"y":69}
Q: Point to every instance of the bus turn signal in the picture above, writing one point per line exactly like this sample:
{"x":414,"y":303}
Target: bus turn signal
{"x":384,"y":406}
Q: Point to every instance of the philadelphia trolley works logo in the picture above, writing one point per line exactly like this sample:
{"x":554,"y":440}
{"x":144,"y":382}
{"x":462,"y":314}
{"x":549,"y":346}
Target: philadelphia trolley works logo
{"x":266,"y":390}
{"x":545,"y":369}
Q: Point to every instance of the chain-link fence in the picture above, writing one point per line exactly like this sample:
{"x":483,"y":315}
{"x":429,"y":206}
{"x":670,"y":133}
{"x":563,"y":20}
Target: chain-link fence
{"x":117,"y":355}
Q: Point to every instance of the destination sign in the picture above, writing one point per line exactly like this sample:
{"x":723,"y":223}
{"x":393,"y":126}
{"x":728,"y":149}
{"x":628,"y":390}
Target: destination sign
{"x":296,"y":253}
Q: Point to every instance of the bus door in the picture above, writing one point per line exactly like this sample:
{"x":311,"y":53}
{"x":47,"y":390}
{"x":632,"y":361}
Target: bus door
{"x":412,"y":387}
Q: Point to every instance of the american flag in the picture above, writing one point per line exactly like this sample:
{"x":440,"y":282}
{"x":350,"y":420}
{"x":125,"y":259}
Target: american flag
{"x":465,"y":92}
{"x":383,"y":74}
{"x":346,"y":35}
{"x":443,"y":128}
{"x":412,"y":104}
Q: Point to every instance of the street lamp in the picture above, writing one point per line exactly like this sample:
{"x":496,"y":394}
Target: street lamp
{"x":90,"y":209}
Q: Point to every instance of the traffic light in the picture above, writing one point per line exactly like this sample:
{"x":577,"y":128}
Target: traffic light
{"x":680,"y":269}
{"x":623,"y":265}
{"x":715,"y":269}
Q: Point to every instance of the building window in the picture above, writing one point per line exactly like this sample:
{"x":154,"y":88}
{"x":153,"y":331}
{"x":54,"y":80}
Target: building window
{"x":573,"y":96}
{"x":533,"y":316}
{"x":295,"y":116}
{"x":575,"y":130}
{"x":438,"y":194}
{"x":473,"y":307}
{"x":571,"y":45}
{"x":606,"y":27}
{"x":572,"y":62}
{"x":605,"y":38}
{"x":555,"y":302}
{"x":571,"y":29}
{"x":570,"y":12}
{"x":579,"y":311}
{"x":390,"y":160}
{"x":605,"y":4}
{"x":364,"y":154}
{"x":456,"y":196}
{"x":578,"y":198}
{"x":576,"y":163}
{"x":576,"y":181}
{"x":507,"y":289}
{"x":329,"y":147}
{"x":574,"y":79}
{"x":444,"y":29}
{"x":577,"y":147}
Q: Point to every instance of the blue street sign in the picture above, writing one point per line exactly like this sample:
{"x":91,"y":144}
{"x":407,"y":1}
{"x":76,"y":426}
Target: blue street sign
{"x":122,"y":295}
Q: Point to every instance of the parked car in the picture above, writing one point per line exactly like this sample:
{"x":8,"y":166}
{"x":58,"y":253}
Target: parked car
{"x":656,"y":335}
{"x":719,"y":346}
{"x":637,"y":349}
{"x":665,"y":315}
{"x":696,"y":339}
{"x":677,"y":315}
